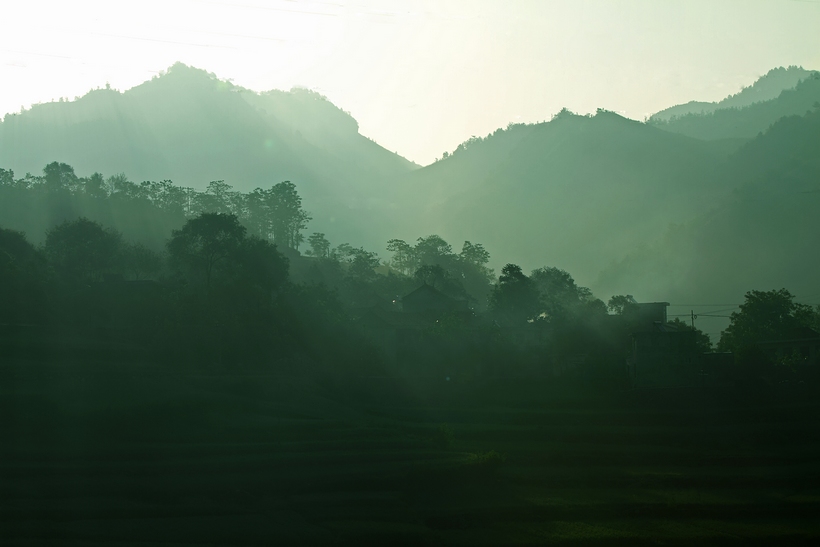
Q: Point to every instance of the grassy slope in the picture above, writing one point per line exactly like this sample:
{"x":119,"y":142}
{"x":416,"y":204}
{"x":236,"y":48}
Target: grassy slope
{"x":130,"y":455}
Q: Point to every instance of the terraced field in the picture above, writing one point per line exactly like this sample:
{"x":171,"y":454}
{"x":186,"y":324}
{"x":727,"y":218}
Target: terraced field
{"x":103,"y":454}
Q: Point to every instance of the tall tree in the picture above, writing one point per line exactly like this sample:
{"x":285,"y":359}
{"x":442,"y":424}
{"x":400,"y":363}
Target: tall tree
{"x":6,"y":177}
{"x":288,"y":219}
{"x":433,"y":250}
{"x":514,"y":299}
{"x":22,"y":279}
{"x":403,"y":257}
{"x":319,"y":245}
{"x":140,"y":261}
{"x":82,"y":250}
{"x":60,"y":177}
{"x":765,"y":315}
{"x":94,"y":186}
{"x":205,"y":242}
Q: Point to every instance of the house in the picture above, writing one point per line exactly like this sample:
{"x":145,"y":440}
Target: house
{"x":397,"y":333}
{"x":660,"y":354}
{"x":418,"y":327}
{"x":429,"y":301}
{"x":802,"y":344}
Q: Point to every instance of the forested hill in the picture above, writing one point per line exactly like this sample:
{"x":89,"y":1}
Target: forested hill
{"x":190,"y":127}
{"x":764,"y":234}
{"x":577,"y":192}
{"x":767,"y":87}
{"x":748,"y":121}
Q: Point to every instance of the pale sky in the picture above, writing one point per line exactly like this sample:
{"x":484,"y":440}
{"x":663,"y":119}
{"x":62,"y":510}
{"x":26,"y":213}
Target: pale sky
{"x":420,"y":76}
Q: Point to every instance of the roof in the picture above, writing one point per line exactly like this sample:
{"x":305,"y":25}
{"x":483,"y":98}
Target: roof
{"x":799,"y":334}
{"x":426,"y":289}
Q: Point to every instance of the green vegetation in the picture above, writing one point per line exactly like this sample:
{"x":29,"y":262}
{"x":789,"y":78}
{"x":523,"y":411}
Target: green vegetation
{"x":761,"y":235}
{"x":190,"y":127}
{"x":186,"y":365}
{"x":134,"y":454}
{"x":646,"y":205}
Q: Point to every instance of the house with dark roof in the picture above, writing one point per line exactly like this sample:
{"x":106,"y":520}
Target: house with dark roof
{"x":429,"y":301}
{"x":660,"y":354}
{"x":801,"y":343}
{"x":416,"y":327}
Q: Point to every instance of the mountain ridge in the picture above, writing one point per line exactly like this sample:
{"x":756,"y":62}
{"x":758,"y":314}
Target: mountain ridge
{"x":748,"y":121}
{"x":767,"y":87}
{"x":543,"y":177}
{"x":188,"y":126}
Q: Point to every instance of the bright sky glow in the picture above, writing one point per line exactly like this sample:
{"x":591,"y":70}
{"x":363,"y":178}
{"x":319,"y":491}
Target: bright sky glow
{"x":420,"y":76}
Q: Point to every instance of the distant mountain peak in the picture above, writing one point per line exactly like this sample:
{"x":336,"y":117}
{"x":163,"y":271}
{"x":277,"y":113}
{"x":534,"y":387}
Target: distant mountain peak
{"x":767,"y":87}
{"x":733,"y":119}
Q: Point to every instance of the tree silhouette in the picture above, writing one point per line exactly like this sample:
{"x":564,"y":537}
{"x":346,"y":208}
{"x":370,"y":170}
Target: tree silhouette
{"x":206,"y":241}
{"x":319,"y":245}
{"x":140,"y":261}
{"x":82,"y":250}
{"x":515,"y":297}
{"x":403,"y":258}
{"x":59,"y":177}
{"x":288,"y":218}
{"x":765,"y":315}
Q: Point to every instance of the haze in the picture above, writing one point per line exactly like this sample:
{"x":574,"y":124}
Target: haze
{"x":419,"y":77}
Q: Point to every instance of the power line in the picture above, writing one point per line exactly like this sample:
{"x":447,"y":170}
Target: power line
{"x":702,"y":305}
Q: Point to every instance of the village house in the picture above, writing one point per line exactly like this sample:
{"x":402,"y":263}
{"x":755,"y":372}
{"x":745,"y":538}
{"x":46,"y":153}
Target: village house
{"x":801,"y":345}
{"x":410,"y":328}
{"x":660,"y":354}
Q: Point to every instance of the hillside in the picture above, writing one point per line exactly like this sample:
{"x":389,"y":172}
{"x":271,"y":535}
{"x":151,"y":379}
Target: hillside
{"x":767,"y":87}
{"x":577,"y":192}
{"x":764,"y":235}
{"x":746,"y":122}
{"x":188,"y":126}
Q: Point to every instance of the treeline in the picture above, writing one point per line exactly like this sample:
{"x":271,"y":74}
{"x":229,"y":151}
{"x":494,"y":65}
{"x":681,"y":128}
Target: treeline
{"x":275,"y":214}
{"x":217,"y":296}
{"x":228,"y":284}
{"x":229,"y":280}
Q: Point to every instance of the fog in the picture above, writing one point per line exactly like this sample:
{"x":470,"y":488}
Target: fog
{"x":487,"y":283}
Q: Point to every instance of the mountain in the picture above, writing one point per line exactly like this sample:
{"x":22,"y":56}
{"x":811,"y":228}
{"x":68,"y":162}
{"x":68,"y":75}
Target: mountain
{"x":188,"y":126}
{"x":763,"y":235}
{"x":766,"y":88}
{"x":624,"y":206}
{"x":577,"y":192}
{"x":745,"y":122}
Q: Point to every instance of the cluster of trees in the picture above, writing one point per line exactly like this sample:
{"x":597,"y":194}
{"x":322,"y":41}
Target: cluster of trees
{"x":767,"y":315}
{"x":548,"y":295}
{"x":433,"y":261}
{"x":273,"y":214}
{"x":224,"y":271}
{"x":215,"y":291}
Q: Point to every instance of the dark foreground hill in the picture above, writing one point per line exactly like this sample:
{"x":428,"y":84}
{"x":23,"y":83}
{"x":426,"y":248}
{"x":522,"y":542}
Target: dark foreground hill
{"x":188,"y":126}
